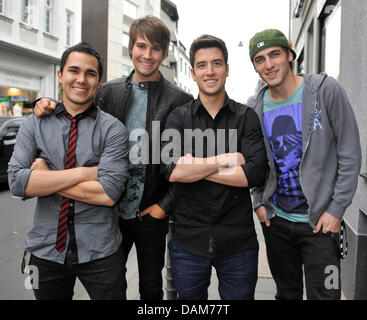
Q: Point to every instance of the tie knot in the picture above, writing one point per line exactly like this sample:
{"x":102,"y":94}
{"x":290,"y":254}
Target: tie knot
{"x":76,"y":118}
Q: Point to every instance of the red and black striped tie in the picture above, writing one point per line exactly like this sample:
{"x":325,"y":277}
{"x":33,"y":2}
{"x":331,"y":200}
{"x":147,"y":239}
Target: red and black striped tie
{"x":62,"y":228}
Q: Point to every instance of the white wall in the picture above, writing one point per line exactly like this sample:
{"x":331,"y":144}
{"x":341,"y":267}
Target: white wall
{"x":29,"y":39}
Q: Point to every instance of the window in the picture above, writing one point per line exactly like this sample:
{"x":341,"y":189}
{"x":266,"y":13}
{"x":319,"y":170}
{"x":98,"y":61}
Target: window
{"x":125,"y":44}
{"x":301,"y":63}
{"x":69,"y":27}
{"x":2,"y":7}
{"x":48,"y":15}
{"x":310,"y":50}
{"x":330,"y":41}
{"x":126,"y":70}
{"x":28,"y":12}
{"x":130,"y":9}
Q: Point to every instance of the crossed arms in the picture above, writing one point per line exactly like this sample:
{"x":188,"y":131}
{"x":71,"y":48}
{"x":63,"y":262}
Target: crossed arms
{"x":245,"y":168}
{"x":78,"y":184}
{"x":223,"y":169}
{"x":30,"y":176}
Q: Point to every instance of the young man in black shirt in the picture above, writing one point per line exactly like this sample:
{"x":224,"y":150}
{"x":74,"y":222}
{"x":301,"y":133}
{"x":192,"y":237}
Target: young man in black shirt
{"x":220,"y":154}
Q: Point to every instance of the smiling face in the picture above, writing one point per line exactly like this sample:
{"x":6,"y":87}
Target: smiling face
{"x":272,"y":64}
{"x":147,"y":58}
{"x":210,"y":71}
{"x":79,"y":80}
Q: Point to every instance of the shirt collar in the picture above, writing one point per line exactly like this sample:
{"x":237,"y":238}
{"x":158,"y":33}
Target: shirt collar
{"x":91,"y":111}
{"x":228,"y":103}
{"x":148,"y":85}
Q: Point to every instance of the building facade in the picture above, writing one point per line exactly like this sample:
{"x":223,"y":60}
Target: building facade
{"x":33,"y":36}
{"x":110,"y":37}
{"x":328,"y":36}
{"x":177,"y":65}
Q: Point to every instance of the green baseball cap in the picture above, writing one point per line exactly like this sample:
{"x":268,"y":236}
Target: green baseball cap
{"x":269,"y":38}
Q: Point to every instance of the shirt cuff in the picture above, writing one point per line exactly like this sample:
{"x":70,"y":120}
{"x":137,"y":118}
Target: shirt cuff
{"x":21,"y":184}
{"x":336,"y":209}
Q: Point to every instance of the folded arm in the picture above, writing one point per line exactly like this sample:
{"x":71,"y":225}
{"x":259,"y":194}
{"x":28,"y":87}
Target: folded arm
{"x":45,"y":182}
{"x":223,"y":169}
{"x":78,"y":184}
{"x":191,"y":169}
{"x":100,"y":185}
{"x":90,"y":192}
{"x":233,"y":177}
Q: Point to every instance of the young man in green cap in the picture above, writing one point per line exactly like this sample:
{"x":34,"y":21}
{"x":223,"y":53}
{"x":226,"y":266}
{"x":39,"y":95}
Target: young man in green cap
{"x":314,"y":155}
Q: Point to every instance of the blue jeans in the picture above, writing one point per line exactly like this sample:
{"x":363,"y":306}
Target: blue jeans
{"x":237,"y":274}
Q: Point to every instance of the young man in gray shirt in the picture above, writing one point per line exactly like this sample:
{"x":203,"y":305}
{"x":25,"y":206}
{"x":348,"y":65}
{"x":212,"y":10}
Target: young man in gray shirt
{"x":75,"y":161}
{"x":314,"y":155}
{"x":142,"y":101}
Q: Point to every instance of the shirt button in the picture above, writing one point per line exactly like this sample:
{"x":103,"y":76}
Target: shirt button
{"x":71,"y":204}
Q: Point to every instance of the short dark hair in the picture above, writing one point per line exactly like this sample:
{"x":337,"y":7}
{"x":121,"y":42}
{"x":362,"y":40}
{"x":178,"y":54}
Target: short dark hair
{"x":291,"y":64}
{"x":84,"y":47}
{"x":153,"y":29}
{"x":207,"y":41}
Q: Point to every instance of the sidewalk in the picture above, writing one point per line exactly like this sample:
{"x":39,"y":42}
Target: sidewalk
{"x":265,"y":288}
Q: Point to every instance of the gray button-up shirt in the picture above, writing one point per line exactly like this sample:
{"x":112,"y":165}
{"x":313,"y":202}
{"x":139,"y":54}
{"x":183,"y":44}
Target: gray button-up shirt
{"x":103,"y":142}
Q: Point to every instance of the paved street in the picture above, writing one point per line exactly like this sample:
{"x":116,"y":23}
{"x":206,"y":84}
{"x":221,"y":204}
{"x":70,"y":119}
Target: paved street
{"x":16,"y":218}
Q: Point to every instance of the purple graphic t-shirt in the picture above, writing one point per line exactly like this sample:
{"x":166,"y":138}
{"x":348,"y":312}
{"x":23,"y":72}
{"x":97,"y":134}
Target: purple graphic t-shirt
{"x":283,"y":128}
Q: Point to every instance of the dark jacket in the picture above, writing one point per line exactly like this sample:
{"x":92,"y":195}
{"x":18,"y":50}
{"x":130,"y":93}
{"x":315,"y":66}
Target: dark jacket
{"x":114,"y":97}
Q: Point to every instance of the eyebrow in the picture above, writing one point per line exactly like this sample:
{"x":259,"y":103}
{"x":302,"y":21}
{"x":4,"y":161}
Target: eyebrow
{"x":205,"y":61}
{"x":153,"y":44}
{"x":268,"y":54}
{"x":78,"y":68}
{"x":276,"y":50}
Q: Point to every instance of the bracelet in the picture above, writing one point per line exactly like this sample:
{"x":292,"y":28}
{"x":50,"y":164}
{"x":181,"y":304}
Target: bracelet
{"x":257,"y":205}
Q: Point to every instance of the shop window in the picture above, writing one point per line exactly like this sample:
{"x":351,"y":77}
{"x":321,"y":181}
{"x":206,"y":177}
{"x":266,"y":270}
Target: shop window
{"x":16,"y":102}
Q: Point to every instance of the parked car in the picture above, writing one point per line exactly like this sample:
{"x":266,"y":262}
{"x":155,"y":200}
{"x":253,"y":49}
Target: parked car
{"x":9,"y":127}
